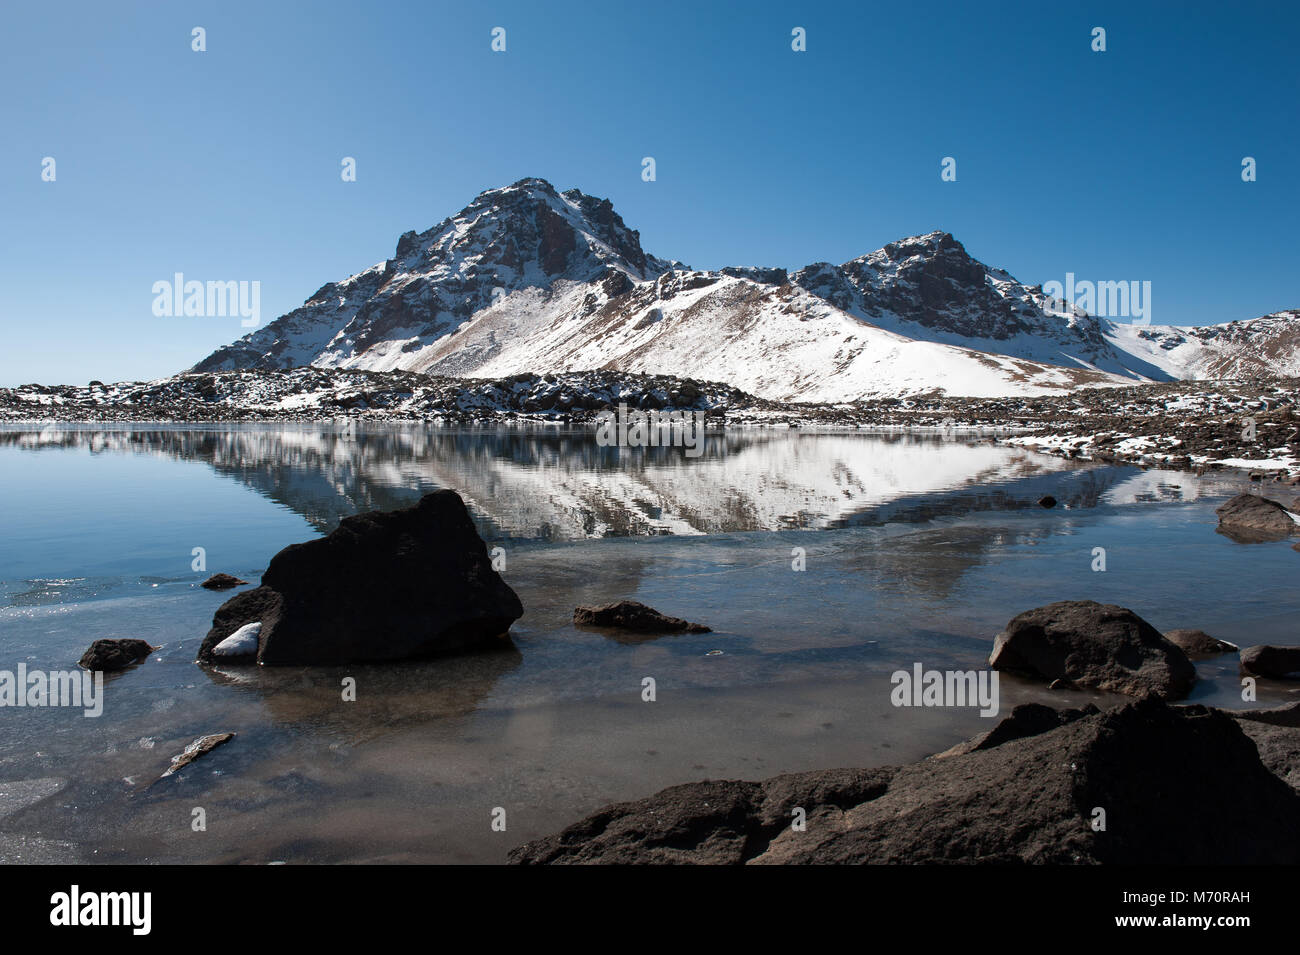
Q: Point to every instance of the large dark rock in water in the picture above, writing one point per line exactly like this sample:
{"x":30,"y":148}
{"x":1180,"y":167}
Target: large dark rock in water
{"x":114,"y":654}
{"x":636,"y":616}
{"x":384,"y":586}
{"x":1100,"y":646}
{"x":1249,"y":518}
{"x":1275,"y":662}
{"x":1177,"y":786}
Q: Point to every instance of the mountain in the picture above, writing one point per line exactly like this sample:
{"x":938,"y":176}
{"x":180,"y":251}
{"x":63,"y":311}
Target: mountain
{"x":528,"y":279}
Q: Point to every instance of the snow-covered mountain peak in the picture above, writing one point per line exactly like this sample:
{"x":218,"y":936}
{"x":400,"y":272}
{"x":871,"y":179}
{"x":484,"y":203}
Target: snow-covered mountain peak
{"x":530,"y":279}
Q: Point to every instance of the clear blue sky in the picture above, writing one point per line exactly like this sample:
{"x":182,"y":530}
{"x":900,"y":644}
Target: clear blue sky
{"x":225,"y":164}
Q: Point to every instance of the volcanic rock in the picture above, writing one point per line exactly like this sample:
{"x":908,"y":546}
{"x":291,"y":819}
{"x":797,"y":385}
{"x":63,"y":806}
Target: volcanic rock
{"x":114,"y":654}
{"x":222,"y":582}
{"x":1093,"y":645}
{"x":1199,"y":643}
{"x":392,"y":585}
{"x":1156,"y":771}
{"x":631,"y":615}
{"x":1276,"y":662}
{"x":1249,"y":518}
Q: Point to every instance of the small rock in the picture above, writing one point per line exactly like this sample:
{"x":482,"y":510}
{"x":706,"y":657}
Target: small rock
{"x":115,"y":654}
{"x":1047,"y":501}
{"x":200,"y":747}
{"x":222,"y":582}
{"x":1276,"y":662}
{"x":1199,"y":642}
{"x":632,"y":615}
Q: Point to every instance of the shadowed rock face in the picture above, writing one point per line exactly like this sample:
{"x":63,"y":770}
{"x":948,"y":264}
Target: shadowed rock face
{"x":1088,"y":644}
{"x":384,"y":586}
{"x":1177,"y":785}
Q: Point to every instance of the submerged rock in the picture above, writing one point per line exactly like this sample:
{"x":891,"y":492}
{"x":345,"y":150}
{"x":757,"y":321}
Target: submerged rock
{"x":1249,"y":518}
{"x":631,"y":615}
{"x":200,"y":747}
{"x":1097,"y":646}
{"x":1199,"y":642}
{"x":392,"y":585}
{"x":1275,"y":662}
{"x":115,"y":654}
{"x":1031,"y":799}
{"x":222,"y":582}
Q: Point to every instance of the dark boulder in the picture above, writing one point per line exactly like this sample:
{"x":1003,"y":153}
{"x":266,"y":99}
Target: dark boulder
{"x":1275,"y":662}
{"x":222,"y":582}
{"x":631,"y":615}
{"x":1027,"y":719}
{"x":1047,"y":501}
{"x":392,"y":585}
{"x":1250,"y":519}
{"x":1276,"y":734}
{"x":1096,"y":646}
{"x":1199,"y":643}
{"x":114,"y":654}
{"x":1157,"y":772}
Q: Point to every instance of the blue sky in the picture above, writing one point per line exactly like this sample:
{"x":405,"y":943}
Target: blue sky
{"x":1122,"y":165}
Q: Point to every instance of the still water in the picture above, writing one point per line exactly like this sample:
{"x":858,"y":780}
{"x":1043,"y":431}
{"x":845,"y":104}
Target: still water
{"x":915,"y":550}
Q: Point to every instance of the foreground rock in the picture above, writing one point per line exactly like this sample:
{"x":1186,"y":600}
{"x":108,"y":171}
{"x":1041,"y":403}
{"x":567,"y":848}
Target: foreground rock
{"x":631,"y":615}
{"x":1275,"y":662}
{"x":1028,"y":719}
{"x":114,"y":654}
{"x":1249,"y":518}
{"x":1276,"y":734}
{"x":1199,"y":642}
{"x":384,"y":586}
{"x":1028,"y":799}
{"x":1092,"y":645}
{"x":222,"y":582}
{"x":200,"y":747}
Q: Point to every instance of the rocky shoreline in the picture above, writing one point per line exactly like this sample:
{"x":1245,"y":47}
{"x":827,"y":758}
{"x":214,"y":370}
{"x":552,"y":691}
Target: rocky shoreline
{"x":1140,"y":783}
{"x":1144,"y":783}
{"x":1250,"y":424}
